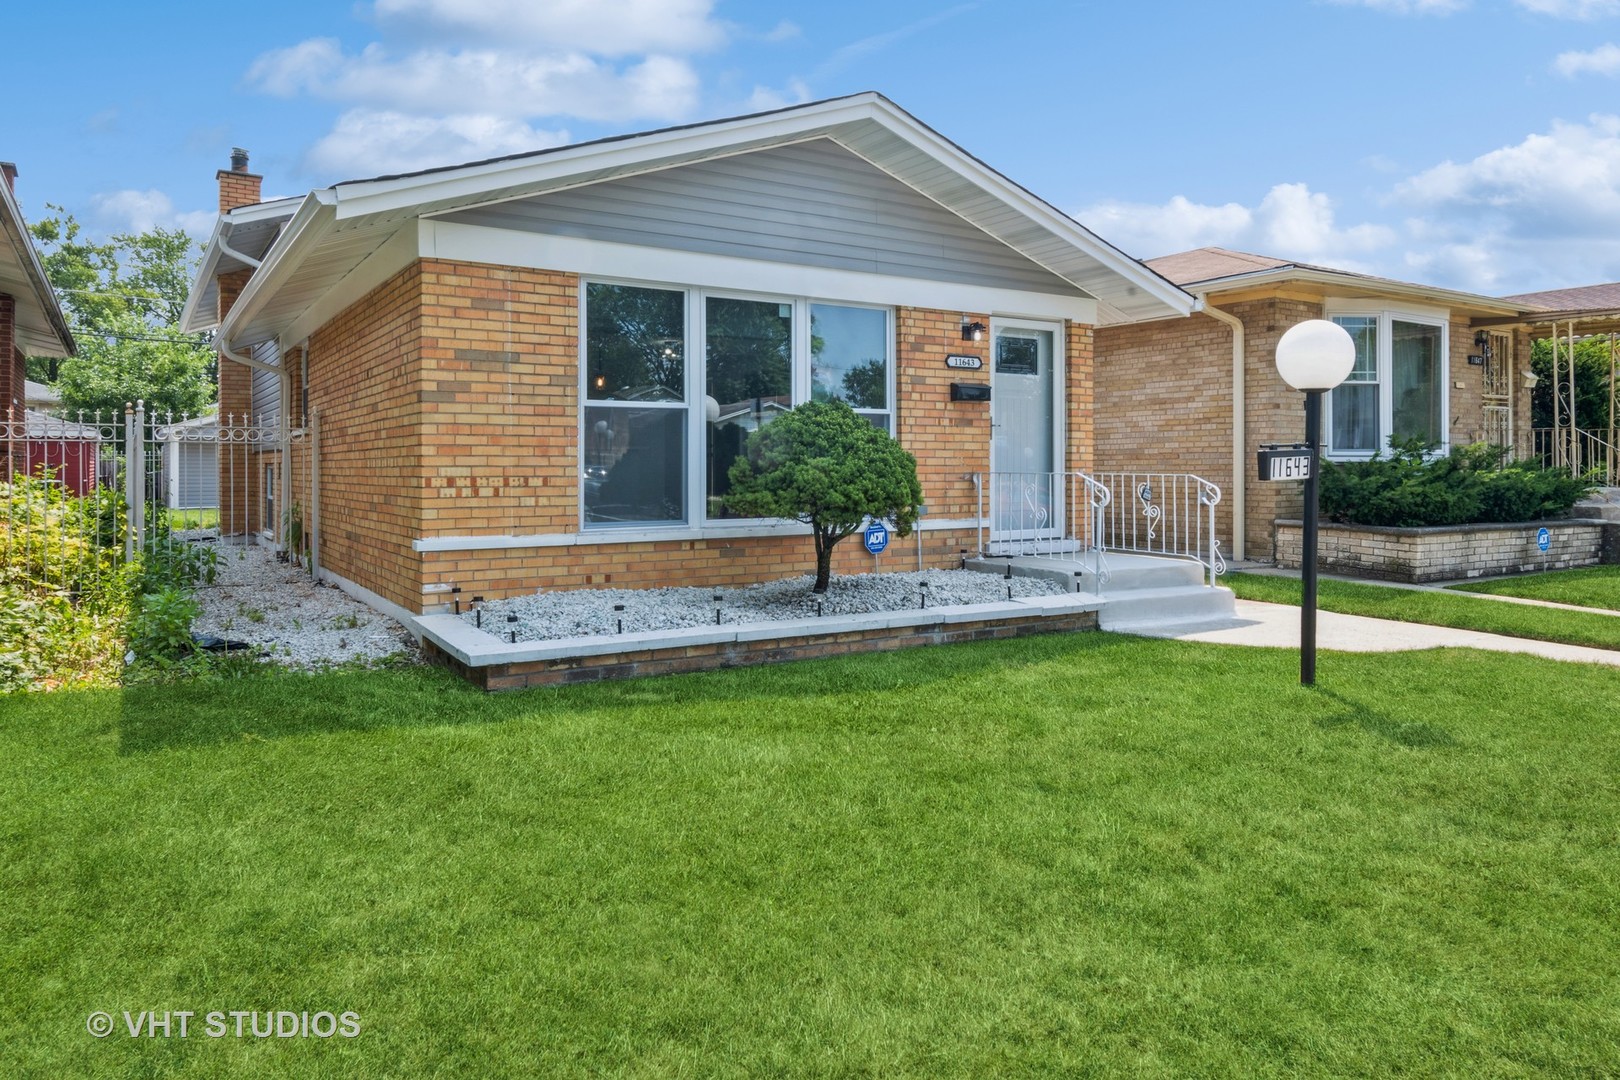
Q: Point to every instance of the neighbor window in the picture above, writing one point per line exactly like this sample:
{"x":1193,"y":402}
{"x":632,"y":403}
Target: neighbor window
{"x":1396,"y":389}
{"x":754,"y":359}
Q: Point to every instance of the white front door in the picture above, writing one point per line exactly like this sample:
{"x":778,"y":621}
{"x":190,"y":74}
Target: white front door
{"x":1026,"y":489}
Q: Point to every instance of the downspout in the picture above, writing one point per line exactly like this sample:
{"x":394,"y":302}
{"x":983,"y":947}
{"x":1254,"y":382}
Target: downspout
{"x":1240,"y":429}
{"x":230,"y":354}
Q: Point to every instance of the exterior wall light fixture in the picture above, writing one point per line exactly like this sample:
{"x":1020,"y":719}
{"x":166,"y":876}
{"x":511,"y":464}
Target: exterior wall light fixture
{"x":973,"y":331}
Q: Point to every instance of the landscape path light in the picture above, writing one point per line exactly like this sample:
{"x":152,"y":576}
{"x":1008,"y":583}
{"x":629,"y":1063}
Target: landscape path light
{"x":1313,"y":356}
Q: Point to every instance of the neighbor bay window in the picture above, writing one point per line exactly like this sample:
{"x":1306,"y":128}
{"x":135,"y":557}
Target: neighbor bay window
{"x":1396,"y":388}
{"x":755,"y":358}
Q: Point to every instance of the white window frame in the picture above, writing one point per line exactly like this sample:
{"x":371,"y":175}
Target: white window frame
{"x":1384,"y":361}
{"x":696,"y":496}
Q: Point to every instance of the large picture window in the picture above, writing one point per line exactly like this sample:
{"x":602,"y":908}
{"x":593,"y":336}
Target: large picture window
{"x":1397,"y":387}
{"x":647,"y":350}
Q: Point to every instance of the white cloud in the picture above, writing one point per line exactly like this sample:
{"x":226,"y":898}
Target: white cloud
{"x":1290,"y":222}
{"x":1603,"y":60}
{"x":483,"y":81}
{"x":367,"y":143}
{"x":138,"y":211}
{"x":1572,"y":9}
{"x":1541,"y":213}
{"x":765,"y":98}
{"x":601,"y":27}
{"x":1409,"y":7}
{"x":1561,"y":184}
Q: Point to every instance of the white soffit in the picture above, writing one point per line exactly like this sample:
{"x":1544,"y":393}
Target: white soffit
{"x":39,"y":327}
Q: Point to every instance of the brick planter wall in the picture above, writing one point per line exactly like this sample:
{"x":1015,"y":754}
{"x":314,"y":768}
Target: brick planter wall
{"x":1443,"y":554}
{"x":746,"y":649}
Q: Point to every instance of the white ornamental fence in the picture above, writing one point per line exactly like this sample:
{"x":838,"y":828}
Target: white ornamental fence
{"x":84,"y":493}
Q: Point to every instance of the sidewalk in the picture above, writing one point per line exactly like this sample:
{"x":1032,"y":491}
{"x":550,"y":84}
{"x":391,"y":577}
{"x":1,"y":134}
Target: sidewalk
{"x":1277,"y":626}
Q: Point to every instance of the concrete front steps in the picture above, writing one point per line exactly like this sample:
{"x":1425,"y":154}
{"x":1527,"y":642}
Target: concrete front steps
{"x":1142,"y":591}
{"x":1603,"y":504}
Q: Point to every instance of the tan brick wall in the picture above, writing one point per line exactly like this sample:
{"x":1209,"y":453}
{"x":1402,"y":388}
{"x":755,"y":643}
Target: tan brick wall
{"x":499,"y":400}
{"x":366,"y":383}
{"x":1443,"y":554}
{"x":449,"y":406}
{"x":950,"y":439}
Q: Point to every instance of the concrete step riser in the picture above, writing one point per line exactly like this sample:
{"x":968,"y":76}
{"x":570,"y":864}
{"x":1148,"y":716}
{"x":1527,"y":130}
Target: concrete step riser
{"x":1196,"y":604}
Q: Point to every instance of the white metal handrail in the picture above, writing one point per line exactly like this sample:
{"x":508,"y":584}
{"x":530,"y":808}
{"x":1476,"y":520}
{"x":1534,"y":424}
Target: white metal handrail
{"x":1158,"y":513}
{"x":1055,"y":515}
{"x":1579,"y":450}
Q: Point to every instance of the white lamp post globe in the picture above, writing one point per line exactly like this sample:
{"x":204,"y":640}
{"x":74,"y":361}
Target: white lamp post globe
{"x":1315,"y":355}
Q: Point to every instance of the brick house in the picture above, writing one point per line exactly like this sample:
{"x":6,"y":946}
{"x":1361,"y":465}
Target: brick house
{"x":31,"y":320}
{"x":532,"y":372}
{"x":1437,"y":364}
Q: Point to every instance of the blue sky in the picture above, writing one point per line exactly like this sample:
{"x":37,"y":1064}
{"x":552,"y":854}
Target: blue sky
{"x":1473,"y":144}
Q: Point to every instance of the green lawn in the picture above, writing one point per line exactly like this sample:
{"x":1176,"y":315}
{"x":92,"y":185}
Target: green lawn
{"x":1083,"y":855}
{"x":1591,"y":586}
{"x":1437,"y":608}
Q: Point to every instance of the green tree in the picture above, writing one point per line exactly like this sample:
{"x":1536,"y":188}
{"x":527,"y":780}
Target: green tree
{"x":822,"y":465}
{"x":1591,"y":383}
{"x":123,"y":298}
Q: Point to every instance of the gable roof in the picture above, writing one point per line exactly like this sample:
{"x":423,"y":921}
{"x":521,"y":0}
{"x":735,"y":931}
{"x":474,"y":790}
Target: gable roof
{"x":334,"y":231}
{"x":41,"y":329}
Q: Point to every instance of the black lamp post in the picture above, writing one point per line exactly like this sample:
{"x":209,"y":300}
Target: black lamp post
{"x":1313,"y":356}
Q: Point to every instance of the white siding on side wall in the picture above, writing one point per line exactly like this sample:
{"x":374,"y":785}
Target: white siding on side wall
{"x":266,"y":385}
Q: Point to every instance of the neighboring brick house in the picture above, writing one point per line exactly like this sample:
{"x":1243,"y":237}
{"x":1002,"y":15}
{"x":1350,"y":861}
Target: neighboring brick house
{"x":1437,"y":364}
{"x":531,"y":372}
{"x":31,"y":320}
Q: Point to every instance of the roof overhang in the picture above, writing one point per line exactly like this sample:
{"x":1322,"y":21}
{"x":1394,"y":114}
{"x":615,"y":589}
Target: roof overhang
{"x":40,"y":327}
{"x":336,"y":230}
{"x":240,"y":240}
{"x":1330,"y":283}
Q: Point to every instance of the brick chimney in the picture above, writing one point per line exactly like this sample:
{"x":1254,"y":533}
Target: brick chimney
{"x":9,"y":171}
{"x":237,"y":186}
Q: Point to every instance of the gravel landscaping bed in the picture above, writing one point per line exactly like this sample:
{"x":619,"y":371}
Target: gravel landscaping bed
{"x":293,"y":620}
{"x":547,"y":616}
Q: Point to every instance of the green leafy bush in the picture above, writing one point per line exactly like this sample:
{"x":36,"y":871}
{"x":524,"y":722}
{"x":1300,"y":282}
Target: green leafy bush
{"x":826,"y":466}
{"x":162,"y":626}
{"x":1411,"y":487}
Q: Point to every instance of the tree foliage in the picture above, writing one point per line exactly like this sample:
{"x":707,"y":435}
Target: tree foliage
{"x":822,"y":465}
{"x":1591,"y":384}
{"x":123,"y":298}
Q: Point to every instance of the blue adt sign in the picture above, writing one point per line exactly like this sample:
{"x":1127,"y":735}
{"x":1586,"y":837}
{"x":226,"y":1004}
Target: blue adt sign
{"x":877,"y":537}
{"x":1543,"y":539}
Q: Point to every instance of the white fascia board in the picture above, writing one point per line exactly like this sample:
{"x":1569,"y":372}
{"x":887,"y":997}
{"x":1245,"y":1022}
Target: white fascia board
{"x":473,"y":183}
{"x":943,"y":150}
{"x":596,"y":258}
{"x":193,"y":321}
{"x":312,"y":221}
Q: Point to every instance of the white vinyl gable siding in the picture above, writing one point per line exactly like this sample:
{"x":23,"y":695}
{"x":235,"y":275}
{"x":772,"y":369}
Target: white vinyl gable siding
{"x":807,"y":204}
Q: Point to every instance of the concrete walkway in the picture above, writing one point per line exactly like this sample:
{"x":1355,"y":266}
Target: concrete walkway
{"x":1277,"y":626}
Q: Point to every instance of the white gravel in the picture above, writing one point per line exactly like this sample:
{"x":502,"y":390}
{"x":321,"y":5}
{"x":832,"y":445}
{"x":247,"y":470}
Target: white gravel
{"x":295,"y":621}
{"x":547,"y":616}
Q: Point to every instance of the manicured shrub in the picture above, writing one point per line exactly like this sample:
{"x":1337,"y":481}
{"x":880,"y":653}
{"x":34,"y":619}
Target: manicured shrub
{"x":823,"y":465}
{"x":1411,"y":487}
